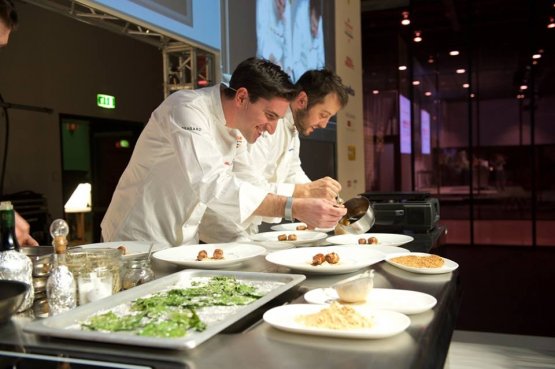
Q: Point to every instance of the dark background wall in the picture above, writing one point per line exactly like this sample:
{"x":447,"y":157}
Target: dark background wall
{"x":60,"y":63}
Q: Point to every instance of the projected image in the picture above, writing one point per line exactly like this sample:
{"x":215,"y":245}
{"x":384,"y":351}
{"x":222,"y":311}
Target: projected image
{"x":290,"y":33}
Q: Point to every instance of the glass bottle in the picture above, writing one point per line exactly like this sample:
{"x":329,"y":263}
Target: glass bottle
{"x":138,"y":271}
{"x":14,"y":265}
{"x":60,"y":287}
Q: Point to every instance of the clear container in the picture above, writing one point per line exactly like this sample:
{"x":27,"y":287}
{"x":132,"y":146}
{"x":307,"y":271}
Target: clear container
{"x":137,"y":272}
{"x":84,"y":262}
{"x":94,"y":285}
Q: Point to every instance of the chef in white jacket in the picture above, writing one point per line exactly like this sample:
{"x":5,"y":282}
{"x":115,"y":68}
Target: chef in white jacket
{"x":184,"y":159}
{"x":276,"y":157}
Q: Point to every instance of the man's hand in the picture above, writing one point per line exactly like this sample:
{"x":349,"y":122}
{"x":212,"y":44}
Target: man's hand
{"x":22,"y":230}
{"x":319,"y":213}
{"x":323,"y":188}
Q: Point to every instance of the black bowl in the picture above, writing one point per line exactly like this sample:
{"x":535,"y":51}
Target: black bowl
{"x":11,"y":296}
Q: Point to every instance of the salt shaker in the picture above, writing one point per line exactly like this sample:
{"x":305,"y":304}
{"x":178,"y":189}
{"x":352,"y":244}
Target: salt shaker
{"x":60,"y":287}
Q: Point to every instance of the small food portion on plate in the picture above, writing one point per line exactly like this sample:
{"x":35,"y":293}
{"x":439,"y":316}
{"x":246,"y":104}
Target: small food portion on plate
{"x":335,"y":316}
{"x":416,"y":261}
{"x":423,"y":263}
{"x":369,"y":241}
{"x":218,"y":254}
{"x":330,"y":258}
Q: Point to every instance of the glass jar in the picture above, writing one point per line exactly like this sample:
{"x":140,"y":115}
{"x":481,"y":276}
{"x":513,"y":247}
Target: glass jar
{"x":84,"y":261}
{"x":137,"y":272}
{"x":94,"y":285}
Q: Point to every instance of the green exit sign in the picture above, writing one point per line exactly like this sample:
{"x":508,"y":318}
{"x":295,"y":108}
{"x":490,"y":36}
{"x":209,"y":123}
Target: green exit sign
{"x":106,"y":101}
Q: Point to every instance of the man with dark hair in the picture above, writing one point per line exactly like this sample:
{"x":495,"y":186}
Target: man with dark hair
{"x":321,"y":96}
{"x":184,"y":162}
{"x":8,"y":20}
{"x":276,"y":157}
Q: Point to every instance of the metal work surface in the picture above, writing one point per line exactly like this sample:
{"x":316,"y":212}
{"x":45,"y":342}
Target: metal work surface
{"x":255,"y":344}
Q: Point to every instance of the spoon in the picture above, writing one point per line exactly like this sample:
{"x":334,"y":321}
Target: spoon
{"x":150,"y":251}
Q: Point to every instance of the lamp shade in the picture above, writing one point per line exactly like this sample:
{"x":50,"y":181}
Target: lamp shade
{"x":80,"y":200}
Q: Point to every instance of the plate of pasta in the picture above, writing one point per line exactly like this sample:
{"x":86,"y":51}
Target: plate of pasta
{"x":337,"y":320}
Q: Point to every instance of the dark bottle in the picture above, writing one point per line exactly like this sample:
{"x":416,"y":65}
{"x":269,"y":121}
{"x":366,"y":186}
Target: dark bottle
{"x":14,"y":265}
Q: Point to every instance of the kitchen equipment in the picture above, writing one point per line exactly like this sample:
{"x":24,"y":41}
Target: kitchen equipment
{"x":220,"y":317}
{"x":12,"y":294}
{"x":359,"y":218}
{"x":41,"y":256}
{"x":86,"y":261}
{"x":403,"y":211}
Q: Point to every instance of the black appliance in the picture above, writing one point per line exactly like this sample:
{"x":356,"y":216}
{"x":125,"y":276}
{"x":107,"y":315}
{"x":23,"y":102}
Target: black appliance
{"x":403,"y":211}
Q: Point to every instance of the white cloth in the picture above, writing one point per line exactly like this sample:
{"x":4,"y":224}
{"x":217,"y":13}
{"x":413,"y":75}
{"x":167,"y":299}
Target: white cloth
{"x":181,"y":166}
{"x":276,"y":160}
{"x":308,"y":51}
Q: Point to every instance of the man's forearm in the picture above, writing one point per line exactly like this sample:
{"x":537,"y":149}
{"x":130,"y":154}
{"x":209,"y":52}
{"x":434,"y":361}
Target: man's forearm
{"x":272,"y":206}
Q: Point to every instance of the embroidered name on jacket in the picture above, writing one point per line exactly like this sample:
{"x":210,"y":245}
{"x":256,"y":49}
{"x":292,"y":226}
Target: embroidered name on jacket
{"x":198,"y":129}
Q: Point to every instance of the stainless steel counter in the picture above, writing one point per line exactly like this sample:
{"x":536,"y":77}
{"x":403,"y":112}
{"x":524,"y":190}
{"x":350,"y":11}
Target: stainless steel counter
{"x":254,"y":344}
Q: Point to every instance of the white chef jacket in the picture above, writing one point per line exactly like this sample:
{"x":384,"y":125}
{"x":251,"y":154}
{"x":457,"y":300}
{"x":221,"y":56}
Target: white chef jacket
{"x":276,"y":158}
{"x":182,"y":164}
{"x":308,"y":51}
{"x":273,"y":35}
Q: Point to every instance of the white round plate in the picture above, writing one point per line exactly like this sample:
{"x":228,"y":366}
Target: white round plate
{"x":304,"y":238}
{"x":186,"y":255}
{"x":350,"y":259}
{"x":133,"y":248}
{"x":388,"y":250}
{"x":447,"y":267}
{"x":293,"y":227}
{"x":386,"y":323}
{"x":384,"y":239}
{"x":401,"y":301}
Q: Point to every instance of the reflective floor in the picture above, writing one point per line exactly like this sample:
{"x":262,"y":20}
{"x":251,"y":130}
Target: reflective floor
{"x":473,"y":350}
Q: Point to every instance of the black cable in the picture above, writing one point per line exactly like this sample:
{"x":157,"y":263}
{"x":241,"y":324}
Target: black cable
{"x":5,"y":156}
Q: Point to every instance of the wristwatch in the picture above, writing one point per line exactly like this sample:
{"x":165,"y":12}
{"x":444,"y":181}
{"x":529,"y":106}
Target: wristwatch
{"x":288,"y":215}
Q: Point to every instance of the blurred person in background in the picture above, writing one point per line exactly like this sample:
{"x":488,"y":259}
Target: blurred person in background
{"x":8,"y":22}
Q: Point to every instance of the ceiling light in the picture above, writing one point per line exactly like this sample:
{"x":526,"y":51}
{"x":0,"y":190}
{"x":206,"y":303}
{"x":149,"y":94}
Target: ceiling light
{"x":534,"y":62}
{"x":536,"y":56}
{"x":415,"y":83}
{"x":417,"y":36}
{"x":375,"y":92}
{"x":460,"y":71}
{"x":551,"y":23}
{"x":402,"y":67}
{"x":520,"y":96}
{"x":406,"y":20}
{"x":431,"y":59}
{"x":472,"y":96}
{"x":428,"y":93}
{"x":523,"y":87}
{"x":454,"y":52}
{"x":466,"y":85}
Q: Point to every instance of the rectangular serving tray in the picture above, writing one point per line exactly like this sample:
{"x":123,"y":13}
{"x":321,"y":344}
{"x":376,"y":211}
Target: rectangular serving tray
{"x":60,"y":325}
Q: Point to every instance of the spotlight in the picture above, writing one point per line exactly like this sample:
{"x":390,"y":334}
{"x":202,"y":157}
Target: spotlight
{"x":454,"y":52}
{"x":460,"y":71}
{"x":375,"y":92}
{"x":466,"y":85}
{"x":428,"y":93}
{"x":405,"y":21}
{"x":402,"y":67}
{"x":417,"y":36}
{"x":415,"y":83}
{"x":551,"y":23}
